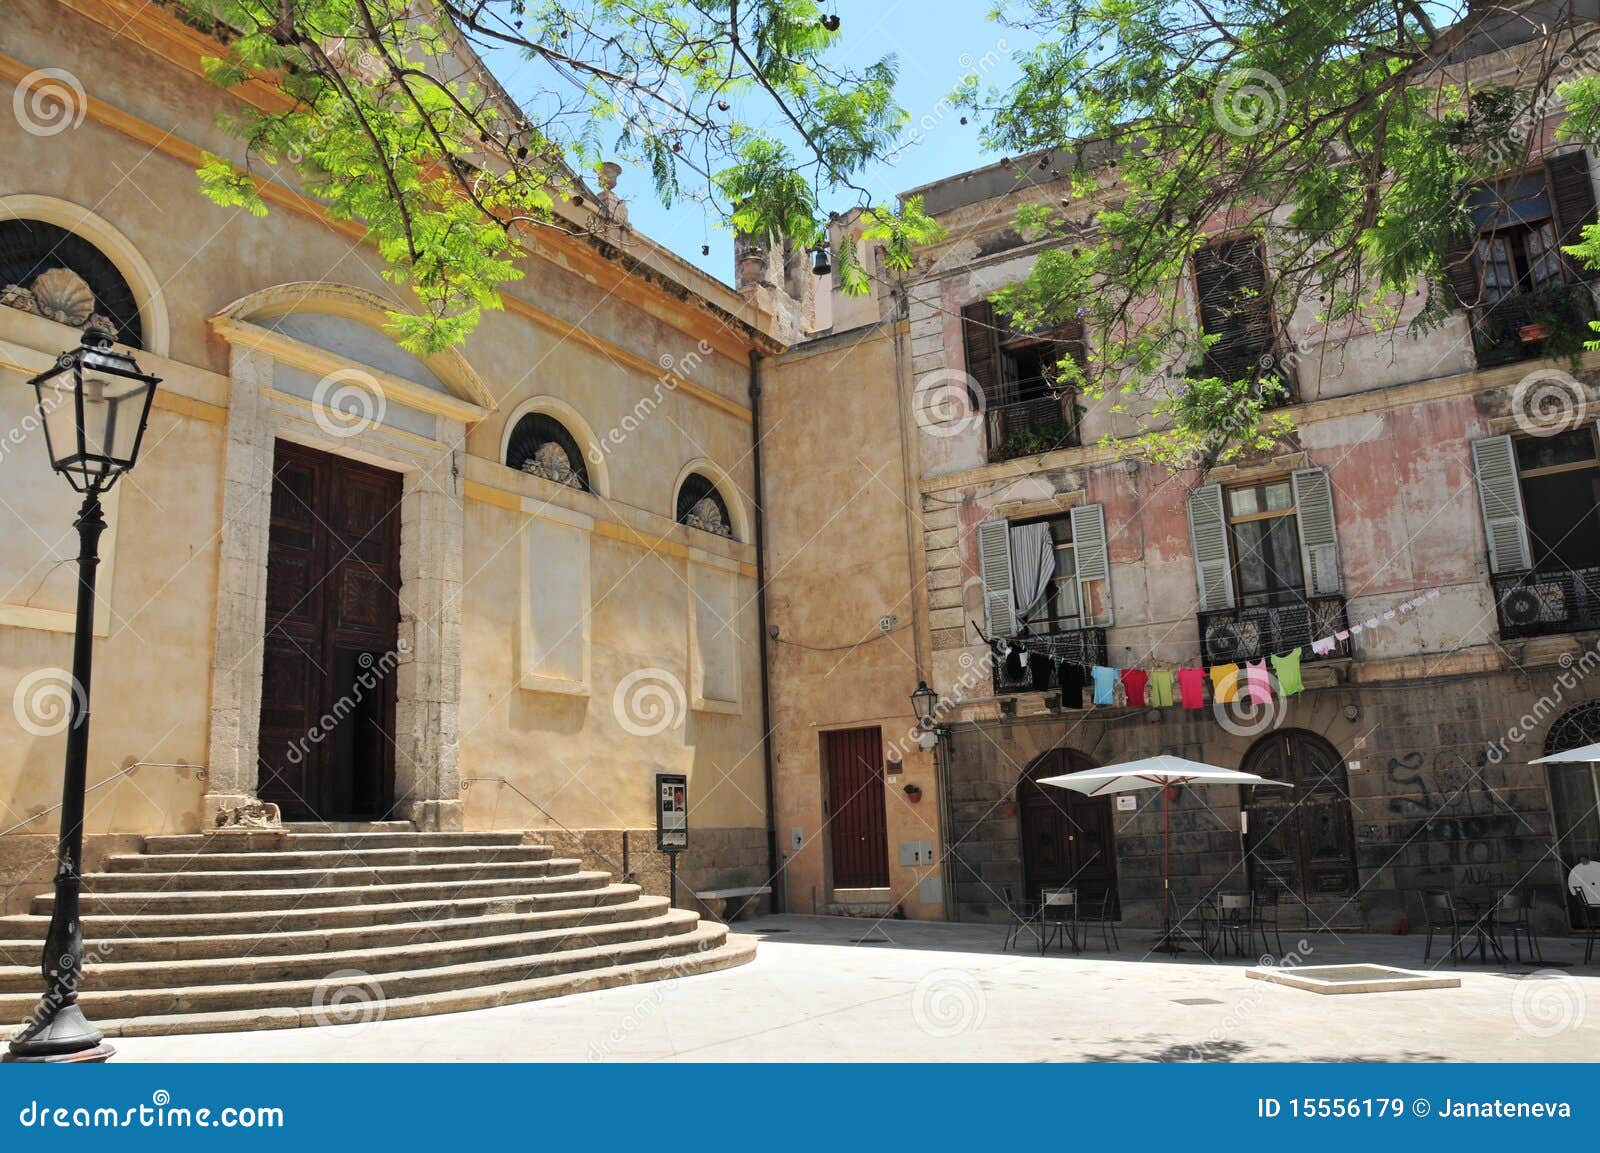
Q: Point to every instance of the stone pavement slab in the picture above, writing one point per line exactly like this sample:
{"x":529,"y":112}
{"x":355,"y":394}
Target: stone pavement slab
{"x":842,"y":989}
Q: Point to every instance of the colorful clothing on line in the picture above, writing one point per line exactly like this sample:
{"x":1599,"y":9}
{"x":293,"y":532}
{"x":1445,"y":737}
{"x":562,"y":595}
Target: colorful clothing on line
{"x":1161,"y":688}
{"x":1287,"y":670}
{"x":1225,"y":683}
{"x":1071,"y":680}
{"x":1257,"y":682}
{"x":1133,"y":682}
{"x":1191,"y":687}
{"x":1105,"y":685}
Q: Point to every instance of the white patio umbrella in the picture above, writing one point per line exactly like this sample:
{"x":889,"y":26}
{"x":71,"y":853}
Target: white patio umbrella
{"x":1586,"y":753}
{"x":1165,"y":772}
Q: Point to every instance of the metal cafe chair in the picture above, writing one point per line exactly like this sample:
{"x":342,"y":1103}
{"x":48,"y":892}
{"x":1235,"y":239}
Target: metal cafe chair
{"x":1591,"y":923}
{"x":1235,"y":922}
{"x":1264,"y":905}
{"x":1022,"y":917}
{"x":1058,"y":917}
{"x":1439,"y":913}
{"x":1105,"y":916}
{"x":1513,"y":914}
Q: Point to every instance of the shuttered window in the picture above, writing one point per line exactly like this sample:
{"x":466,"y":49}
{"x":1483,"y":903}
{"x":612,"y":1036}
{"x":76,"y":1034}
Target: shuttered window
{"x":1081,"y":592}
{"x":981,"y":340}
{"x":1231,"y":288}
{"x":1505,"y":527}
{"x":1093,"y":557}
{"x":1319,"y":538}
{"x":994,"y":567}
{"x":1208,"y":536}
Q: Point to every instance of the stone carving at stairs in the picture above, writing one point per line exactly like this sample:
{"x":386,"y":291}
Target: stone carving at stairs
{"x":260,"y":816}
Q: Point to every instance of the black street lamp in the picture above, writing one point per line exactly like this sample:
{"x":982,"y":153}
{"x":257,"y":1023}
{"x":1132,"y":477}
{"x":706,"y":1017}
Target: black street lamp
{"x":924,"y":700}
{"x":93,"y":403}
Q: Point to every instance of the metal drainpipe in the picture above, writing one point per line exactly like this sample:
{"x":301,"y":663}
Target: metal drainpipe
{"x":780,"y":897}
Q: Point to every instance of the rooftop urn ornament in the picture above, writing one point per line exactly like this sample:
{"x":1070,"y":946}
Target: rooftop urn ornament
{"x":93,"y":403}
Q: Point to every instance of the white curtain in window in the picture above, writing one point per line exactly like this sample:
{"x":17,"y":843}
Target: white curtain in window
{"x":1033,"y":566}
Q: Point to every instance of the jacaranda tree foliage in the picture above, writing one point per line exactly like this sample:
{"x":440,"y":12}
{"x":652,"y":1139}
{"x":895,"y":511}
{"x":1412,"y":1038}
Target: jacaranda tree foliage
{"x":735,"y":103}
{"x":1346,"y":134}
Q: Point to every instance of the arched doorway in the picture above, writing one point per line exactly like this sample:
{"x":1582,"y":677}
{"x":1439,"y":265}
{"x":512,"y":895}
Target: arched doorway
{"x":1302,"y":839}
{"x":1575,"y":793}
{"x":1067,"y":838}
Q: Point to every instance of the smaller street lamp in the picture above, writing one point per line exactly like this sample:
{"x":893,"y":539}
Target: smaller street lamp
{"x":94,"y":404}
{"x":924,"y":700}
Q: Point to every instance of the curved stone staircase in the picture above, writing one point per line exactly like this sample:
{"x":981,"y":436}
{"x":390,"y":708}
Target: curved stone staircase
{"x":263,"y":930}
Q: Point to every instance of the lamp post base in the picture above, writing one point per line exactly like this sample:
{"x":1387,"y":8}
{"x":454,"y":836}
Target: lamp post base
{"x":66,"y":1036}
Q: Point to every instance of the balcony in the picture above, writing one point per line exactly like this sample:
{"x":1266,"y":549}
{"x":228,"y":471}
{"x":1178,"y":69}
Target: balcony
{"x":1027,"y":427}
{"x":1077,"y":646}
{"x":1538,"y":604}
{"x":1531,"y":325}
{"x":1248,"y":634}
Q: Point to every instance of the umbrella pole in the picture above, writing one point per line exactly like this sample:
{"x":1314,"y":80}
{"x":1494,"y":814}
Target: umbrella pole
{"x":1167,"y":943}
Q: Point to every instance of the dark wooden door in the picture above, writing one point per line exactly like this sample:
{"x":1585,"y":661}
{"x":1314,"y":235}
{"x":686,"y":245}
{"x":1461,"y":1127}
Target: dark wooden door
{"x":328,"y":653}
{"x":1068,"y":839}
{"x":857,"y":827}
{"x":1300,"y":839}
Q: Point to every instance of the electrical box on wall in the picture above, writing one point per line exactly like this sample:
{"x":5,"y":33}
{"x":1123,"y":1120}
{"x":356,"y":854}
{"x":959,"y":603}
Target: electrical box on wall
{"x":797,"y":839}
{"x":1127,"y":804}
{"x":913,"y":853}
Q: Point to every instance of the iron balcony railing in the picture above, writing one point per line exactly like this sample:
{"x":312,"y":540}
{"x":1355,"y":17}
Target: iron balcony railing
{"x":1027,"y":427}
{"x":1250,"y":633}
{"x":1038,"y":673}
{"x":1530,"y":325}
{"x":1533,"y":604}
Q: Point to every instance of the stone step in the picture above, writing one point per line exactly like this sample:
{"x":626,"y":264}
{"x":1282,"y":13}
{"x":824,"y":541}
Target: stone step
{"x":335,"y":990}
{"x":350,"y":827}
{"x":377,"y":961}
{"x":731,"y":951}
{"x":323,"y":859}
{"x":235,"y":880}
{"x":243,"y":841}
{"x":26,"y":950}
{"x":230,"y":921}
{"x":279,"y":900}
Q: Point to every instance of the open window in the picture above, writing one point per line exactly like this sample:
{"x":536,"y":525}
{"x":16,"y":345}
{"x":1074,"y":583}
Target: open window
{"x":1049,"y":575}
{"x":1526,"y":298}
{"x":1540,"y":501}
{"x":1030,"y":406}
{"x":1266,"y":557}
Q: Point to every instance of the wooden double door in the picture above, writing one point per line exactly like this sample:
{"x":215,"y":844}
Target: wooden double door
{"x":1301,"y":839}
{"x":858,"y":827}
{"x":329,"y":657}
{"x":1068,"y":839}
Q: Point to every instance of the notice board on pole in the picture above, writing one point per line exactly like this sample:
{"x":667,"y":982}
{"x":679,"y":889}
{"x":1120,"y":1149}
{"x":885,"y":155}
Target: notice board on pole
{"x":672,"y":812}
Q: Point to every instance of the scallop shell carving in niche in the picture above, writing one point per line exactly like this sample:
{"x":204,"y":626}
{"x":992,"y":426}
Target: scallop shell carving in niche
{"x":61,"y":294}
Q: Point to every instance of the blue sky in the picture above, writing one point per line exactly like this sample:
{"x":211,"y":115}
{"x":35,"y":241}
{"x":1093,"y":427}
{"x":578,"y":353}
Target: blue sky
{"x":935,"y":43}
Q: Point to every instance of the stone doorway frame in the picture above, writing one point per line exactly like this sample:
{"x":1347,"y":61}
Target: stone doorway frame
{"x":432,"y":512}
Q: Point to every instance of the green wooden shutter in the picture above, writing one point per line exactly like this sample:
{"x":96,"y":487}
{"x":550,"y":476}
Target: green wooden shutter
{"x":994,"y":565}
{"x":1505,"y":525}
{"x":1319,"y":536}
{"x":1093,"y":557}
{"x":1208,"y":534}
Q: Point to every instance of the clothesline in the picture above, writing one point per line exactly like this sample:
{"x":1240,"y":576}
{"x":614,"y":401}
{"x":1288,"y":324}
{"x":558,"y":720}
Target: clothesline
{"x":1146,"y":686}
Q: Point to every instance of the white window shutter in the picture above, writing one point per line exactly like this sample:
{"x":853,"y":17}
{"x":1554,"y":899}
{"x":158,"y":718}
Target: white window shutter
{"x":1319,"y":535}
{"x":1505,"y":526}
{"x":1208,"y":535}
{"x":994,"y":565}
{"x":1094,"y":562}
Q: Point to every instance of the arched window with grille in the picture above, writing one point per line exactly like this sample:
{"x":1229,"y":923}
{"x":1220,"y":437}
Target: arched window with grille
{"x":52,"y":272}
{"x":701,"y":505}
{"x":541,"y":445}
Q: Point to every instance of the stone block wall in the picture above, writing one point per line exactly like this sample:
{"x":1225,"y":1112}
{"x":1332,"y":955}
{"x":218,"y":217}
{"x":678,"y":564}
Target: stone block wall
{"x":1441,"y":796}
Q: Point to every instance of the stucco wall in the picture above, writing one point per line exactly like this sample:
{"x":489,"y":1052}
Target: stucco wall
{"x":659,"y":384}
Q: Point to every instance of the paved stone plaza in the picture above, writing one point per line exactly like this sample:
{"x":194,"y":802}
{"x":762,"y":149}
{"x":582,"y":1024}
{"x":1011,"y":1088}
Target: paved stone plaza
{"x":828,"y":989}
